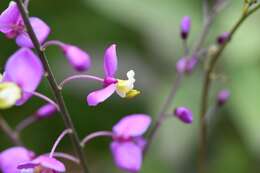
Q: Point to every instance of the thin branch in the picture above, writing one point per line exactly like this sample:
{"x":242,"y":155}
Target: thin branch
{"x":195,"y":52}
{"x":95,"y":135}
{"x":164,"y":109}
{"x":10,"y":133}
{"x":54,"y":86}
{"x":25,"y":123}
{"x":75,"y":77}
{"x":66,"y":156}
{"x":61,"y":136}
{"x":206,"y":89}
{"x":43,"y":97}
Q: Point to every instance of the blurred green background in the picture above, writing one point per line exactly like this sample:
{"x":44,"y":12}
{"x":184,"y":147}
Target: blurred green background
{"x":147,"y":35}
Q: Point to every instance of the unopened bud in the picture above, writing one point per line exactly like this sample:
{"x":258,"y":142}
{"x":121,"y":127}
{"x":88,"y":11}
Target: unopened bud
{"x":184,"y":114}
{"x":223,"y":97}
{"x":186,"y":65}
{"x":191,"y":64}
{"x":223,"y":38}
{"x":79,"y":59}
{"x":185,"y":27}
{"x":181,"y":65}
{"x":46,"y":111}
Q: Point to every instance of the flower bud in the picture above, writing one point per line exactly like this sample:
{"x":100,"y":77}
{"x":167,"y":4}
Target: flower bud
{"x":186,"y":65}
{"x":181,"y":65}
{"x":184,"y":114}
{"x":223,"y":38}
{"x":191,"y":64}
{"x":185,"y":27}
{"x":46,"y":111}
{"x":79,"y":59}
{"x":223,"y":97}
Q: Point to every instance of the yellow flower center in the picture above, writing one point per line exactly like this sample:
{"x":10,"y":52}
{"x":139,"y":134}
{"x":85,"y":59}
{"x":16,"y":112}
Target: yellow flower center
{"x":9,"y":94}
{"x":125,"y":88}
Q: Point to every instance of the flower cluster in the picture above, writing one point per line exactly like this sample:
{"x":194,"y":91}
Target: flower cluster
{"x":23,"y":74}
{"x":25,"y":70}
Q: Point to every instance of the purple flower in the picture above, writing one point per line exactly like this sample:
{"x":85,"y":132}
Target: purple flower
{"x":223,"y":97}
{"x":184,"y":114}
{"x":223,"y":38}
{"x":186,"y":65}
{"x":23,"y":74}
{"x":46,"y":111}
{"x":12,"y":25}
{"x":185,"y":27}
{"x":78,"y":58}
{"x":12,"y":157}
{"x":181,"y":65}
{"x":124,"y":88}
{"x":128,"y":143}
{"x":42,"y":164}
{"x":191,"y":64}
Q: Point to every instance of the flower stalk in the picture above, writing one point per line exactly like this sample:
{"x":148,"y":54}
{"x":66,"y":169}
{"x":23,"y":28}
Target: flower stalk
{"x":12,"y":135}
{"x":206,"y":88}
{"x":54,"y":86}
{"x":208,"y":20}
{"x":61,"y":136}
{"x":162,"y":114}
{"x":95,"y":135}
{"x":74,"y":77}
{"x":25,"y":123}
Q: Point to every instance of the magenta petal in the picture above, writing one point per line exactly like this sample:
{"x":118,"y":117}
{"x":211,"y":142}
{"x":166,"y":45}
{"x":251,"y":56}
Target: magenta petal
{"x":141,"y":142}
{"x":132,"y":125}
{"x":110,"y":61}
{"x":98,"y":96}
{"x":46,"y":111}
{"x":12,"y":157}
{"x":25,"y":69}
{"x":79,"y":59}
{"x":50,"y":163}
{"x":9,"y":18}
{"x":127,"y":156}
{"x":41,"y":30}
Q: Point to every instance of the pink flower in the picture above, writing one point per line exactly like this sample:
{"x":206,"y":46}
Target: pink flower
{"x":12,"y":157}
{"x":42,"y":164}
{"x":124,"y":88}
{"x":12,"y":25}
{"x":128,"y":143}
{"x":22,"y":75}
{"x":79,"y":59}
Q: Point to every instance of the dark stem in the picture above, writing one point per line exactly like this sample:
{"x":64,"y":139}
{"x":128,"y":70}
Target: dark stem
{"x":196,"y":51}
{"x":54,"y":86}
{"x":10,"y":133}
{"x":163,"y":111}
{"x":185,"y":47}
{"x":202,"y":168}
